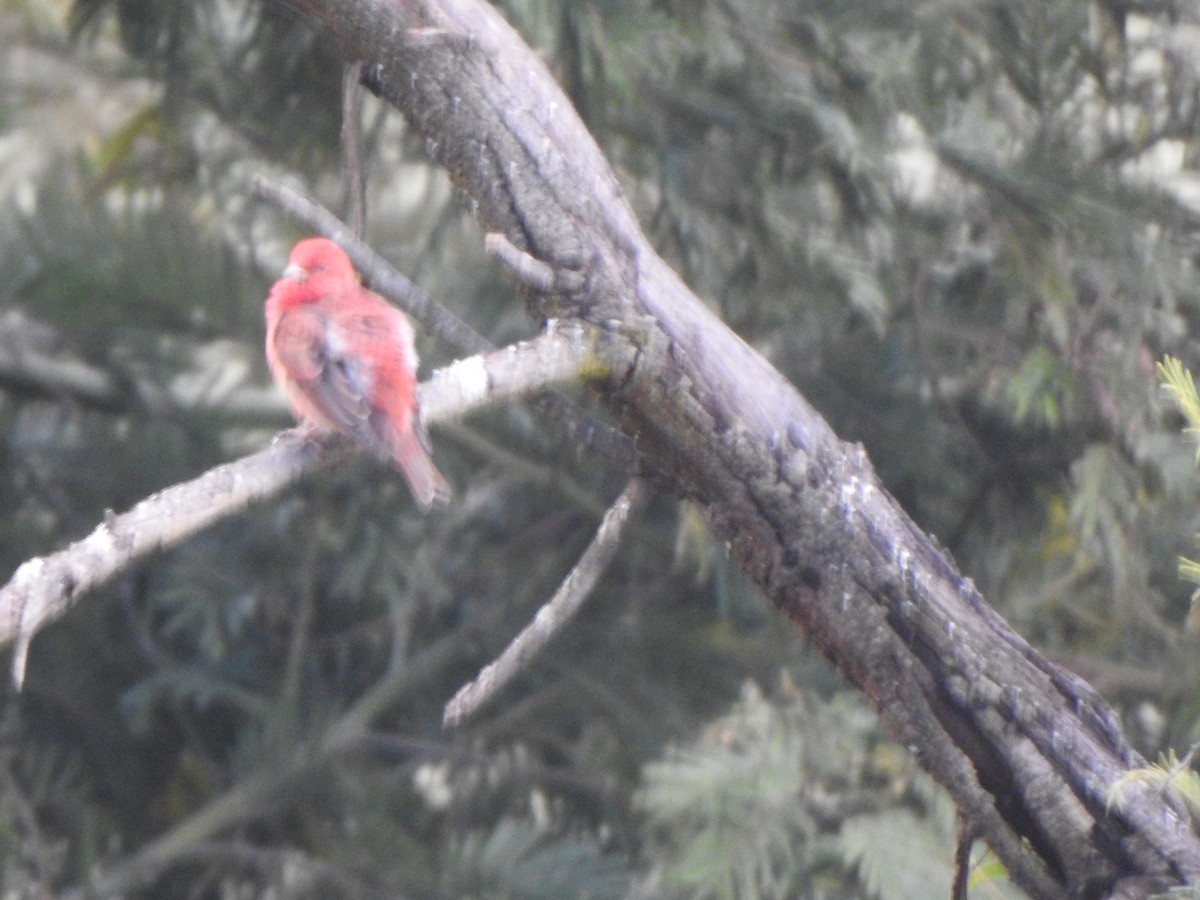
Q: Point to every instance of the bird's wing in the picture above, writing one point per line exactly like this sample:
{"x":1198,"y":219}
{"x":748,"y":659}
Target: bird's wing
{"x":318,"y":351}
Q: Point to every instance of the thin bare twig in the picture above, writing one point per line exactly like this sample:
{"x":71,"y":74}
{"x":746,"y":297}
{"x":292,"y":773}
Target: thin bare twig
{"x":521,"y":466}
{"x":555,"y":614}
{"x":352,"y":157}
{"x":532,"y":272}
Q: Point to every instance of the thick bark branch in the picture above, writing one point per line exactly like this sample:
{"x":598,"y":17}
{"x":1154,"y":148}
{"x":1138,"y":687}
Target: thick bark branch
{"x":1028,"y":751}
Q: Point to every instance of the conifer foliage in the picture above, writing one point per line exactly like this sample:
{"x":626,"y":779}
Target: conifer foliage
{"x":966,"y":233}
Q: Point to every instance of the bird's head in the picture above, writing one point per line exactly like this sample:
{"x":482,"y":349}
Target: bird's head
{"x":318,"y":258}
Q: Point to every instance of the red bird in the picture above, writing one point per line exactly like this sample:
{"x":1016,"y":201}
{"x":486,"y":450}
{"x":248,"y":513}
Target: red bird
{"x":346,"y":360}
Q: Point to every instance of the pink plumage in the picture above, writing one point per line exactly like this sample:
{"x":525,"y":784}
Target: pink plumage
{"x":346,"y":360}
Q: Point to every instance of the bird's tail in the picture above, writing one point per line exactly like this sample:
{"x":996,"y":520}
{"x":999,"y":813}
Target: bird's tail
{"x":411,"y":452}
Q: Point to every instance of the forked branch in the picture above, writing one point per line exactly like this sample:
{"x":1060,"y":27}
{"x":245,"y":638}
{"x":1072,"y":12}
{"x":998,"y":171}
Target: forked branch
{"x":44,"y":588}
{"x":1028,"y":751}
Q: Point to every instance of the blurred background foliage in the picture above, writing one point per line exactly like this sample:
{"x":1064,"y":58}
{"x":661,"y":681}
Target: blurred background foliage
{"x":966,"y":231}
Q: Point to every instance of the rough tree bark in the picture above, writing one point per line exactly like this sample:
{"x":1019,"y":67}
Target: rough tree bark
{"x":1028,"y":751}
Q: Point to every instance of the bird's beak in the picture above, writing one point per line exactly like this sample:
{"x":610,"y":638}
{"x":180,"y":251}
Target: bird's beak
{"x":295,"y":272}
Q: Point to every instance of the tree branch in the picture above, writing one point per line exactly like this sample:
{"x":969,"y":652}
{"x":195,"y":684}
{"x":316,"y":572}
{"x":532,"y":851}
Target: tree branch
{"x":353,"y":174}
{"x":1027,"y":750}
{"x":533,"y":273}
{"x":553,"y":615}
{"x":44,"y":588}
